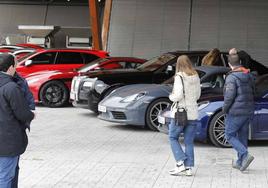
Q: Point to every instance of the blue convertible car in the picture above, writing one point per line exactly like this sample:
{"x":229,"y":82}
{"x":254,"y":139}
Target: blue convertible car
{"x":211,"y":118}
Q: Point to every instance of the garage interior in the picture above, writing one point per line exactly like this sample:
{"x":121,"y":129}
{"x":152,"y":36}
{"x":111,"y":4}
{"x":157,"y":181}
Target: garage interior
{"x":147,"y":28}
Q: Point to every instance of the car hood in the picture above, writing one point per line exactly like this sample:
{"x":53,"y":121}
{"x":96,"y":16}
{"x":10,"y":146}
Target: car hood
{"x":150,"y":89}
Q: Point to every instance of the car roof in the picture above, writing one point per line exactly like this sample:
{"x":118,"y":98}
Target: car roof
{"x":70,"y":49}
{"x":118,"y":57}
{"x":181,"y":52}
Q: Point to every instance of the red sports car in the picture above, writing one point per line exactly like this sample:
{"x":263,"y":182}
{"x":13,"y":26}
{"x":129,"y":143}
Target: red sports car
{"x":52,"y":87}
{"x":56,"y":59}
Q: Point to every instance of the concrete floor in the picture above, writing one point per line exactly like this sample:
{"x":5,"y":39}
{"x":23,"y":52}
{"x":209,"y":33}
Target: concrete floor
{"x":70,"y":147}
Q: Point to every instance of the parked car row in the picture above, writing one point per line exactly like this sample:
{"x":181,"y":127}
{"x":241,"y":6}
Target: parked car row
{"x":138,"y":96}
{"x":132,"y":90}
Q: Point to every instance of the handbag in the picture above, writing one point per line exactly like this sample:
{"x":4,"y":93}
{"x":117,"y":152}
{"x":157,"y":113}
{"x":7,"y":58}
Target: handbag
{"x":181,"y":113}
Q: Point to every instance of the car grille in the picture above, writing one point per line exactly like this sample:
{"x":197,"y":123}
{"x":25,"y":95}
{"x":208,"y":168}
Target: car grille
{"x":119,"y":115}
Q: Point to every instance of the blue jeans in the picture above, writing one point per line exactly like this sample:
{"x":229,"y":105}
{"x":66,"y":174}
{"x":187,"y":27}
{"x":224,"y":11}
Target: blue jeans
{"x":7,"y":170}
{"x":189,"y":133}
{"x":236,"y":133}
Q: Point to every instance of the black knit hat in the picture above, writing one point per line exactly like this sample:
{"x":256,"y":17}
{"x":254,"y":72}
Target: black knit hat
{"x":6,"y":60}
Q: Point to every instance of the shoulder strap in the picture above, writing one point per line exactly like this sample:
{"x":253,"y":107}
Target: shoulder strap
{"x":182,"y":86}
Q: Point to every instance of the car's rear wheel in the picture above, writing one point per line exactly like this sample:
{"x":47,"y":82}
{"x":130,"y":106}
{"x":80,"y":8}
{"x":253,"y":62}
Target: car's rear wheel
{"x":153,"y":110}
{"x":54,"y":94}
{"x":217,"y":130}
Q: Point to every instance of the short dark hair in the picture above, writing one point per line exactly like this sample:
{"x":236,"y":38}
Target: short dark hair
{"x":6,"y":60}
{"x":234,"y":60}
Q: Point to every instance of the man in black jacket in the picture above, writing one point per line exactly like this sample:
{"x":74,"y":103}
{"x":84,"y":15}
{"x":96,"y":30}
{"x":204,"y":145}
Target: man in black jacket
{"x":14,"y":113}
{"x":239,"y":109}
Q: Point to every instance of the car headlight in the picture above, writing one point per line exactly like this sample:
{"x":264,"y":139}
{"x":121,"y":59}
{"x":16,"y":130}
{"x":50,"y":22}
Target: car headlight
{"x":134,"y":97}
{"x":202,"y":105}
{"x":100,"y":86}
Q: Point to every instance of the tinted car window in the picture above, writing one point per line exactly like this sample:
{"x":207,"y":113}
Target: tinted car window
{"x":89,"y":57}
{"x":132,"y":65}
{"x":195,"y":59}
{"x":156,"y":62}
{"x":216,"y":80}
{"x":44,"y":58}
{"x":262,"y":85}
{"x":92,"y":64}
{"x":69,"y":58}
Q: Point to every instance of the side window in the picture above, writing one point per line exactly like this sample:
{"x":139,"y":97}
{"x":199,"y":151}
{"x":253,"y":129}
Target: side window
{"x":69,"y":58}
{"x":131,"y":65}
{"x":216,"y":80}
{"x":262,"y":86}
{"x":44,"y":58}
{"x":113,"y":65}
{"x":89,"y":57}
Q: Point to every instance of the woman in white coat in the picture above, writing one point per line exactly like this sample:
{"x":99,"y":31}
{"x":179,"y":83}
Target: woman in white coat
{"x":187,"y":79}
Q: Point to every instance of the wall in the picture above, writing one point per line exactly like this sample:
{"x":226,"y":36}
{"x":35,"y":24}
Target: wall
{"x":146,"y":28}
{"x":12,"y":15}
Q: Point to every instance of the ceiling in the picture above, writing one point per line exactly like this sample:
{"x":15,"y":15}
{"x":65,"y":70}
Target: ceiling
{"x":55,"y":2}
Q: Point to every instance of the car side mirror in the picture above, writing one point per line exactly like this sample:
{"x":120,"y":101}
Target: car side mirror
{"x":206,"y":85}
{"x":28,"y":63}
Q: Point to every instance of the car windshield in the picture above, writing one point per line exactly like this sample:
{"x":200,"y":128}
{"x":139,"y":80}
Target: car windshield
{"x":26,"y":56}
{"x":92,"y":64}
{"x":171,"y":80}
{"x":156,"y":62}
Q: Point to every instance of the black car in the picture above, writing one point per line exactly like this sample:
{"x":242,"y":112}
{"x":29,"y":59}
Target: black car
{"x":89,"y":89}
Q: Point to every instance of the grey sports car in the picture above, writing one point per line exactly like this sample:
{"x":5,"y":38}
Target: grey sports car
{"x":140,"y":104}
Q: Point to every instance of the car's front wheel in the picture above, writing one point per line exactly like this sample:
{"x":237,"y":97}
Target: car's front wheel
{"x":217,"y":130}
{"x":54,"y":94}
{"x":153,"y":111}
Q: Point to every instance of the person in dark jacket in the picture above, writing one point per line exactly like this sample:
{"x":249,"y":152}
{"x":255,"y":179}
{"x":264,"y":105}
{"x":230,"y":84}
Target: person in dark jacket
{"x":26,"y":90}
{"x":30,"y":100}
{"x":14,"y":113}
{"x":239,"y":109}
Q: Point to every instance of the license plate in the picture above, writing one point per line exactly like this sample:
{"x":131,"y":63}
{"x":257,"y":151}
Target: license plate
{"x":101,"y":108}
{"x":161,"y":119}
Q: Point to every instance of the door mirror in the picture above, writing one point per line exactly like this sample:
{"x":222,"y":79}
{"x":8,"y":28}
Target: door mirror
{"x":206,"y":85}
{"x":28,"y":63}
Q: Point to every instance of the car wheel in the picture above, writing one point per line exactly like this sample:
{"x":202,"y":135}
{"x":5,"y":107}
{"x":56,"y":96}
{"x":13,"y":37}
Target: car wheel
{"x":153,"y":110}
{"x":54,"y":94}
{"x":216,"y":131}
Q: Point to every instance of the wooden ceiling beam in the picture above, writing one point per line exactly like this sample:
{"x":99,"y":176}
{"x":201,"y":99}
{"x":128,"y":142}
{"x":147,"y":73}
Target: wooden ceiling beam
{"x":106,"y":23}
{"x":95,"y":24}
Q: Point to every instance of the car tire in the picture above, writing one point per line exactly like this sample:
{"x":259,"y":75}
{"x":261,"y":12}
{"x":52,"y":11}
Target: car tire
{"x":54,"y":94}
{"x":153,"y":110}
{"x":216,"y":131}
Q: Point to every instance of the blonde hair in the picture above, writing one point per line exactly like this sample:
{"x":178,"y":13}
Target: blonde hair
{"x":184,"y":64}
{"x":212,"y":57}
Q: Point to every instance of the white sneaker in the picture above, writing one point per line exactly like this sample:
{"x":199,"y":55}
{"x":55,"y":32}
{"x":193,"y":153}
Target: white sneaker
{"x":188,"y":172}
{"x":178,"y":170}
